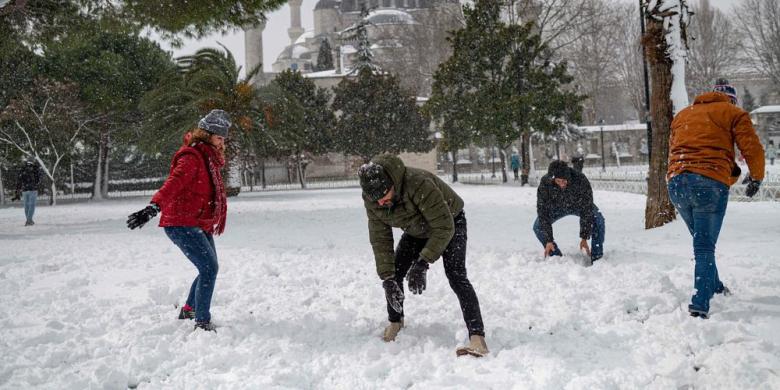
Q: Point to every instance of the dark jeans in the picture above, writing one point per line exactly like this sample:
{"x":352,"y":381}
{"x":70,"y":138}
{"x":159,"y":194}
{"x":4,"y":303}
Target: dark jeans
{"x":517,"y":173}
{"x":199,"y":248}
{"x":597,"y":231}
{"x":454,"y":257}
{"x":701,"y":202}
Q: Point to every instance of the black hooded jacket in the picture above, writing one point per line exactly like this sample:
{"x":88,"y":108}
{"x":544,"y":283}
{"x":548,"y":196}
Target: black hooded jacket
{"x":29,"y":178}
{"x":576,"y":198}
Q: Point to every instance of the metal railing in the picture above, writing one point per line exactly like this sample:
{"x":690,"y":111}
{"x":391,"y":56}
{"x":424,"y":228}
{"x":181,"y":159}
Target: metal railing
{"x":630,"y":179}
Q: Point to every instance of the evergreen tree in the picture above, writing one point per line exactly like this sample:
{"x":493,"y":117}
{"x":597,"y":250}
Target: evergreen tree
{"x":452,"y":121}
{"x":311,"y":124}
{"x":359,"y":33}
{"x":113,"y":71}
{"x":324,"y":57}
{"x":204,"y":81}
{"x":378,"y":116}
{"x":171,"y":18}
{"x":502,"y":79}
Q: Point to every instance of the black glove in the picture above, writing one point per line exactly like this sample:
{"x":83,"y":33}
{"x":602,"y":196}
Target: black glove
{"x":416,"y":276}
{"x":140,"y":218}
{"x":752,"y":187}
{"x":394,"y":295}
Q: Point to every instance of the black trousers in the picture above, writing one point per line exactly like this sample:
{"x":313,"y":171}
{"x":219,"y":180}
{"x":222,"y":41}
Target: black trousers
{"x":454,"y":258}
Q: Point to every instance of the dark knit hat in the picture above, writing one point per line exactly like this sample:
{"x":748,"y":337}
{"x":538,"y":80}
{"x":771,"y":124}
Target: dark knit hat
{"x":216,"y":122}
{"x":374,"y":181}
{"x":723,"y":86}
{"x":559,"y":170}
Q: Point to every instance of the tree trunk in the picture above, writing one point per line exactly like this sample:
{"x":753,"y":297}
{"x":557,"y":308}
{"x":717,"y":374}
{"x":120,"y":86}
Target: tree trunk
{"x":72,"y":183}
{"x":2,"y":188}
{"x":106,"y":161}
{"x":492,"y":161}
{"x":299,"y":168}
{"x":659,"y":210}
{"x":53,"y":197}
{"x":455,"y":166}
{"x":262,"y":173}
{"x":502,"y":156}
{"x":525,"y":142}
{"x":97,"y":182}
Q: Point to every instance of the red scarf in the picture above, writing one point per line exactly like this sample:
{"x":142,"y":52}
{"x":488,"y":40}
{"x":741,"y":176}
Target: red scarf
{"x":214,"y":162}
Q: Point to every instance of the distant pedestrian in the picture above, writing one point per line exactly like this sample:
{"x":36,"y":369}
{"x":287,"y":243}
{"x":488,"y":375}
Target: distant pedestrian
{"x":771,"y":152}
{"x":515,"y":165}
{"x":193,"y":203}
{"x":27,"y":188}
{"x":563,"y":192}
{"x":702,"y":166}
{"x":431,"y":215}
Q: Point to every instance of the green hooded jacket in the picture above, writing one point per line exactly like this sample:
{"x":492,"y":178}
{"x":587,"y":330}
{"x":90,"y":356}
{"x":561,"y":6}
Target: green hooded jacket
{"x":423,"y":207}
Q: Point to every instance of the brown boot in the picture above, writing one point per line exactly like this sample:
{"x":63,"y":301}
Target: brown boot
{"x":391,"y":331}
{"x":476,"y":347}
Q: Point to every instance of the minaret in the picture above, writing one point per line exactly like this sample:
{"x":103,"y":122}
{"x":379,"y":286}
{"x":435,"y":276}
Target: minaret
{"x":253,"y":50}
{"x":295,"y":29}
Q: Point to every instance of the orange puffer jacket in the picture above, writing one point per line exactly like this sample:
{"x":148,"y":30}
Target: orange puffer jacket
{"x":703,"y":137}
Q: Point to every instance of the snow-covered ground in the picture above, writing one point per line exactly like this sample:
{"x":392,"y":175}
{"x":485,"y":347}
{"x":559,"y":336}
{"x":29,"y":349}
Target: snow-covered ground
{"x":86,"y":303}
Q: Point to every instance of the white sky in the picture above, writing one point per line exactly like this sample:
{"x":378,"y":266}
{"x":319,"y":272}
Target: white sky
{"x":275,"y":35}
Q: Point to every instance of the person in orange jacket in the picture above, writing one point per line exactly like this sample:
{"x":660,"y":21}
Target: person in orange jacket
{"x":701,"y":170}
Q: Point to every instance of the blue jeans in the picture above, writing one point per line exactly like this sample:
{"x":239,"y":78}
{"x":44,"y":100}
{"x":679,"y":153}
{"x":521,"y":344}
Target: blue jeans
{"x":199,"y":248}
{"x":701,"y":202}
{"x":597,"y":231}
{"x":28,"y":199}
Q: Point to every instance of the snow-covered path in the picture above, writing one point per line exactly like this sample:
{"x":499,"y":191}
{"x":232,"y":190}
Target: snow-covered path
{"x":85,"y":303}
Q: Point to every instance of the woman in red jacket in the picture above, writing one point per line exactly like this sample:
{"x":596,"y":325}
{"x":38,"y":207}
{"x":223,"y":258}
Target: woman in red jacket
{"x":193,"y":205}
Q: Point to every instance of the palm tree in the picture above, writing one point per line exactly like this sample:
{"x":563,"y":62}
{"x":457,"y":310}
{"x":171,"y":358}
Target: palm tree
{"x":201,"y":82}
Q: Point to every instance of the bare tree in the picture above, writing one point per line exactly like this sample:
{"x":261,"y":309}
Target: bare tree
{"x":629,"y":57}
{"x":665,"y":43}
{"x":45,"y":124}
{"x":593,"y":57}
{"x":759,"y":21}
{"x":560,"y":21}
{"x":714,"y":43}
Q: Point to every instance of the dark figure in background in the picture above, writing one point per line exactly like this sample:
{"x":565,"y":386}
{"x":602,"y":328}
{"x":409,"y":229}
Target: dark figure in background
{"x":562,"y":192}
{"x":431,"y":215}
{"x":27,"y":188}
{"x":193,"y":203}
{"x":702,"y":167}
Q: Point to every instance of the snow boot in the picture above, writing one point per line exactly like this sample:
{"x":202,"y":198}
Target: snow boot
{"x":205,"y":325}
{"x":186,"y":313}
{"x":391,"y":331}
{"x":476,"y":347}
{"x":698,"y":313}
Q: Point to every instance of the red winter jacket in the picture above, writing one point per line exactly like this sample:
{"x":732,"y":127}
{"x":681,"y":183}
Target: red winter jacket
{"x":193,"y":196}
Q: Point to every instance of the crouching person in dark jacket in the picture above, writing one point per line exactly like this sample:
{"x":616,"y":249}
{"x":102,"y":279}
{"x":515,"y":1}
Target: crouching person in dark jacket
{"x":562,"y":192}
{"x":431,"y":216}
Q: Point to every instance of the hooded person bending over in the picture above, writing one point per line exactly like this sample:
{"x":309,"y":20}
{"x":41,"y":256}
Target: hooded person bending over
{"x":431,"y":216}
{"x":562,"y":192}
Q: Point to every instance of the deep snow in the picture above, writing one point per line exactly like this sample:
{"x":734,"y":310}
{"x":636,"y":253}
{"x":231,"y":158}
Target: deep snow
{"x":86,"y":303}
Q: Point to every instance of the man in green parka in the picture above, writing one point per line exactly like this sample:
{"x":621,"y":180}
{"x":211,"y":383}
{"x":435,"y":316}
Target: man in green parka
{"x":431,"y":216}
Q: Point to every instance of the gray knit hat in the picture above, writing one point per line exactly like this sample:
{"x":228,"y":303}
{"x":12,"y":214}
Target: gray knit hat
{"x":216,"y":122}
